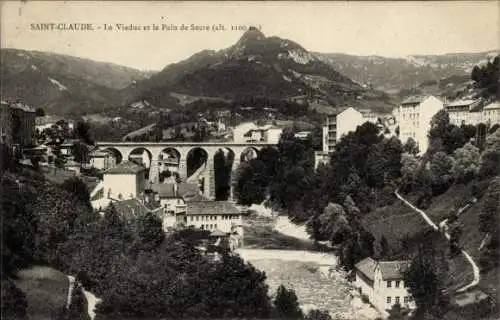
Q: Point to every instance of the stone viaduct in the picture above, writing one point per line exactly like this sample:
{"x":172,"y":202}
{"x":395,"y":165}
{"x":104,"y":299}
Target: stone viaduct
{"x":179,"y":151}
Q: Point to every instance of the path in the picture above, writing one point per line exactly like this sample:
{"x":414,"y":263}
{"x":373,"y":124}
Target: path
{"x":92,"y":300}
{"x":475,"y":268}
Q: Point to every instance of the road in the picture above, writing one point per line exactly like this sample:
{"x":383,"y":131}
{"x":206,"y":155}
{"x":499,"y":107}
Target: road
{"x":475,"y":269}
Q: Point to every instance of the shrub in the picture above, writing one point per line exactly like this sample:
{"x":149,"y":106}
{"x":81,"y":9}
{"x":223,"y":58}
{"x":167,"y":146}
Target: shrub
{"x":286,"y":304}
{"x":317,"y":314}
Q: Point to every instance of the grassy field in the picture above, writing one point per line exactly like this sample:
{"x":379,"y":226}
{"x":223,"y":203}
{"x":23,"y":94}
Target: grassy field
{"x":46,"y":291}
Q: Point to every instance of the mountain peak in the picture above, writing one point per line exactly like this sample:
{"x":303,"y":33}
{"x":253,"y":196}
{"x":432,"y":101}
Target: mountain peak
{"x":252,"y":34}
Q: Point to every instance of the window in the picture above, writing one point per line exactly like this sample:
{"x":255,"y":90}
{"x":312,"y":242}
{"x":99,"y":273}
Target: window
{"x":201,"y":218}
{"x":211,"y":226}
{"x":388,"y":299}
{"x":389,"y":284}
{"x":197,"y":218}
{"x":405,"y":299}
{"x":215,"y":226}
{"x":397,"y":284}
{"x":192,"y":218}
{"x":397,"y":299}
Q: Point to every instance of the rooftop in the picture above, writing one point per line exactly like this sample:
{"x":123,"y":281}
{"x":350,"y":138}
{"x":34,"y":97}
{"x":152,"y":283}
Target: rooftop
{"x":459,"y":103}
{"x":393,"y":270}
{"x":167,"y":190}
{"x":493,"y":105}
{"x":125,"y":167}
{"x":211,"y":208}
{"x":414,"y":99}
{"x":367,"y":267}
{"x":390,"y":270}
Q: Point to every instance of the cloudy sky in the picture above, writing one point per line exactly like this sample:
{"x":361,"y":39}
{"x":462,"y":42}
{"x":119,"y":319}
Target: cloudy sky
{"x":363,"y":28}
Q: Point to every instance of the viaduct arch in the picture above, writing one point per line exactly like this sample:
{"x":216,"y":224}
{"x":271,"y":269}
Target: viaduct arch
{"x":174,"y":157}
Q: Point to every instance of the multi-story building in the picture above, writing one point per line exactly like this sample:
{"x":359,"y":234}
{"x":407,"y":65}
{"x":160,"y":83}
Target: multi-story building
{"x":214,"y":215}
{"x":102,"y":160}
{"x":18,"y":123}
{"x":414,"y":117}
{"x":491,"y":113}
{"x":5,"y":123}
{"x":124,"y":181}
{"x":23,"y":125}
{"x":464,"y":112}
{"x":383,"y":283}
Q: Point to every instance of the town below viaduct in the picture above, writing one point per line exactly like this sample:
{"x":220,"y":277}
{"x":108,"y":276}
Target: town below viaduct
{"x":158,"y":155}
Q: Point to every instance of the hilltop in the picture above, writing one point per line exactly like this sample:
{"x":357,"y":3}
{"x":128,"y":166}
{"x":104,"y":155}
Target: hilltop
{"x":62,"y":84}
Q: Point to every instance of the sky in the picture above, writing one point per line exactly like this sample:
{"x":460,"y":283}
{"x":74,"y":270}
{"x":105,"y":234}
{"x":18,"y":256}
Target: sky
{"x":391,"y":29}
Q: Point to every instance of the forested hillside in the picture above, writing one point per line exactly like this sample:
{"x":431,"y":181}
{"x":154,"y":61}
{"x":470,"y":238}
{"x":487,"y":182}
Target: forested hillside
{"x":352,"y":204}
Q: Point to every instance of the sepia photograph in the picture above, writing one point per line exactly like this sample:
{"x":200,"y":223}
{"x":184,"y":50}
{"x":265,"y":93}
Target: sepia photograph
{"x":266,"y":160}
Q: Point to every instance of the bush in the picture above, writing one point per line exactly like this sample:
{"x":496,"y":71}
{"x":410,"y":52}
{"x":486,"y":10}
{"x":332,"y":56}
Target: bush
{"x":286,"y":304}
{"x":316,"y":314}
{"x":365,"y":299}
{"x":14,"y":302}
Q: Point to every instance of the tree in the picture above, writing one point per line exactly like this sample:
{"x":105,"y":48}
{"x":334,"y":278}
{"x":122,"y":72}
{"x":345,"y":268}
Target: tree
{"x":81,"y":152}
{"x":251,"y":182}
{"x":316,"y":314}
{"x":82,"y":131}
{"x":490,"y":158}
{"x":384,"y":250}
{"x":76,"y":186}
{"x":409,"y":167}
{"x":423,"y":276}
{"x":334,"y":224}
{"x":411,"y":146}
{"x":441,"y":166}
{"x":286,"y":304}
{"x":40,"y":112}
{"x":397,"y":313}
{"x":13,"y":301}
{"x":490,"y":210}
{"x":150,"y":232}
{"x":466,"y":163}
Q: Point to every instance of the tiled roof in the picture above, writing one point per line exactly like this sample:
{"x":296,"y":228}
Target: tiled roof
{"x":493,"y":105}
{"x":459,"y":103}
{"x":130,"y":209}
{"x":211,"y":208}
{"x":414,"y":100}
{"x":367,"y":267}
{"x":99,"y":153}
{"x":393,"y":270}
{"x":166,"y":190}
{"x":125,"y":167}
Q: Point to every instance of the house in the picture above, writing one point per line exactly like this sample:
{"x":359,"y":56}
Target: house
{"x":321,"y":157}
{"x":102,"y":160}
{"x":338,"y":124}
{"x":464,"y":111}
{"x":124,"y":181}
{"x":212,"y":215}
{"x":491,"y":113}
{"x":383,"y":283}
{"x":172,"y":198}
{"x":414,"y":117}
{"x":267,"y":133}
{"x":66,"y":148}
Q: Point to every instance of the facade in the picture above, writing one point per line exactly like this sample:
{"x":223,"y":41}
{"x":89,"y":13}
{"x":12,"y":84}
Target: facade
{"x":464,"y":112}
{"x":339,"y":124}
{"x":124,"y":181}
{"x":5,"y":123}
{"x":321,"y":157}
{"x":102,"y":160}
{"x":383,"y":283}
{"x":18,"y":123}
{"x":212,"y":215}
{"x":491,"y":113}
{"x":414,"y":116}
